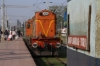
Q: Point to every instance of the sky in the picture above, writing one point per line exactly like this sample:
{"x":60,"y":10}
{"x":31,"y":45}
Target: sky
{"x":25,"y":9}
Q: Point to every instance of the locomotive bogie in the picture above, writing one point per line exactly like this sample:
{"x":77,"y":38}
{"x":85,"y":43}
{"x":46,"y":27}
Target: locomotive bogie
{"x":45,"y":43}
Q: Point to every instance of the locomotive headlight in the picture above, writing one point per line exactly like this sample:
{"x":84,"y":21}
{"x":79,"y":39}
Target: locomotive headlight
{"x":58,"y":45}
{"x":34,"y":45}
{"x":45,"y":13}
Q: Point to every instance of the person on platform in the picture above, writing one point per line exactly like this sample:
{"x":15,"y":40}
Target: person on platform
{"x":6,"y":34}
{"x":0,"y":35}
{"x":10,"y":36}
{"x":13,"y":35}
{"x":19,"y":33}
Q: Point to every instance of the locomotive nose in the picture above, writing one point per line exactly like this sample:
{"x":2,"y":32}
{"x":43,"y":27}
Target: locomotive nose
{"x":58,"y":45}
{"x":34,"y":45}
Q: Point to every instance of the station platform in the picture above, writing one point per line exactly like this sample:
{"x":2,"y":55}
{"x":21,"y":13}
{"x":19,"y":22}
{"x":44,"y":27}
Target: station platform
{"x":15,"y":53}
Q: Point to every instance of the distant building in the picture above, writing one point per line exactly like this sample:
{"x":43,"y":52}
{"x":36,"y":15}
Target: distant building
{"x":18,"y":24}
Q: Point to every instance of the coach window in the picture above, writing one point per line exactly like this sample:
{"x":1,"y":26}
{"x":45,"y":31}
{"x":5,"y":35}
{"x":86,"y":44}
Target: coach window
{"x":68,"y":31}
{"x":89,"y":24}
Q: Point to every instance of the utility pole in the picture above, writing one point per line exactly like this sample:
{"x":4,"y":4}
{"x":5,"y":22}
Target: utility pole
{"x":61,"y":25}
{"x":3,"y":17}
{"x":47,"y":4}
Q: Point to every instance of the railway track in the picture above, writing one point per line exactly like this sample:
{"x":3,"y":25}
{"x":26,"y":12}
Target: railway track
{"x":61,"y":61}
{"x":55,"y":61}
{"x":47,"y":60}
{"x":49,"y":63}
{"x":37,"y":61}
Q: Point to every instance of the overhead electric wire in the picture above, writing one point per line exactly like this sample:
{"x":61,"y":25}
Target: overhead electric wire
{"x":28,"y":15}
{"x":41,"y":2}
{"x":59,"y":3}
{"x":36,"y":7}
{"x":33,"y":11}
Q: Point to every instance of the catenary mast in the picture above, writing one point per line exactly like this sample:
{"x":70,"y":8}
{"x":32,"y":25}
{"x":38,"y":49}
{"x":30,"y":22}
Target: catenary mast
{"x":3,"y":16}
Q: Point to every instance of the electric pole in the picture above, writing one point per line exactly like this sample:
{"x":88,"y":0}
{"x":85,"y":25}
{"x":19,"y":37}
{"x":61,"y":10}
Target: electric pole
{"x":47,"y":4}
{"x":3,"y":17}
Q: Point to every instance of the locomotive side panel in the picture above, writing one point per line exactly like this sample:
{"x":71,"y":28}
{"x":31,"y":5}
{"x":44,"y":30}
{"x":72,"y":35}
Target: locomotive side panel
{"x":29,"y":27}
{"x":33,"y":27}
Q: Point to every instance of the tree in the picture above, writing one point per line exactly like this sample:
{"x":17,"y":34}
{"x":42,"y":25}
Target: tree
{"x":59,"y":11}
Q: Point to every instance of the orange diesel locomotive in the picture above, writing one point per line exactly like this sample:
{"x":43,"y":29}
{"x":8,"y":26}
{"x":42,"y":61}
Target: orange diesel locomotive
{"x":42,"y":30}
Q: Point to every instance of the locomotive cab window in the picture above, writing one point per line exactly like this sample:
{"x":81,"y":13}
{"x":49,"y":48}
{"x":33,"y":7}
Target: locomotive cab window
{"x":40,"y":14}
{"x":28,"y":25}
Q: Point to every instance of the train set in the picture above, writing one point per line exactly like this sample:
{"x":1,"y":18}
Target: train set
{"x":41,"y":33}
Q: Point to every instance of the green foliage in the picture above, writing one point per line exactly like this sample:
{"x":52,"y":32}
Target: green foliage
{"x":65,"y":24}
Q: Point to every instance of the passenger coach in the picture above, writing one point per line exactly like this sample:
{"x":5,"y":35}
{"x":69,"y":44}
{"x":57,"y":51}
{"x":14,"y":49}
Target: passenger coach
{"x":83,"y":48}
